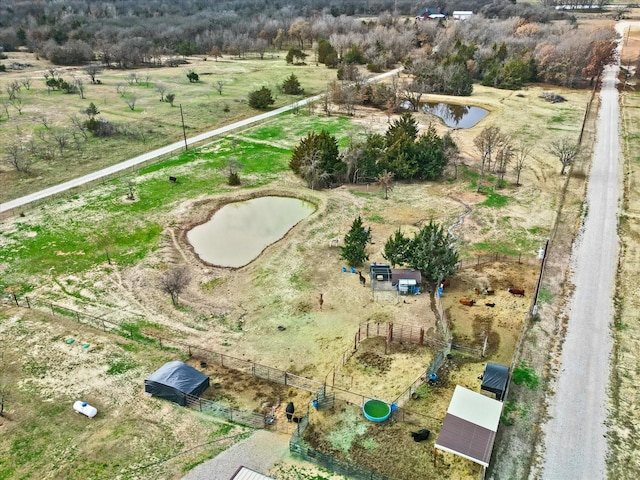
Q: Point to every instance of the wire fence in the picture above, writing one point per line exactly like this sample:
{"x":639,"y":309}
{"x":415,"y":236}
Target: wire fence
{"x":497,"y":257}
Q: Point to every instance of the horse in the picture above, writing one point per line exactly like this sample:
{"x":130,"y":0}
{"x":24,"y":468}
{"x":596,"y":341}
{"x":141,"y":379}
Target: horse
{"x":363,"y":280}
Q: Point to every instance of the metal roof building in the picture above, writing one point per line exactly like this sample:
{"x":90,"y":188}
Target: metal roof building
{"x":470,"y":426}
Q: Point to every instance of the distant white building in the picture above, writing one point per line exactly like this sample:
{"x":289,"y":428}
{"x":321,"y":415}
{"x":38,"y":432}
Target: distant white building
{"x":462,"y":14}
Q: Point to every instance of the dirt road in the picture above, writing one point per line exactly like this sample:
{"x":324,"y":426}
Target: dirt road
{"x":575,"y":436}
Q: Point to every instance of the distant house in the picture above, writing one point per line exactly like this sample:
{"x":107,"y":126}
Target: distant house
{"x":462,"y":14}
{"x":431,"y":14}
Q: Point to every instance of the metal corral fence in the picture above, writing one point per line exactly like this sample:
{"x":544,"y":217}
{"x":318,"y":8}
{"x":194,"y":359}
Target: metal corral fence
{"x":244,"y":417}
{"x":299,"y":447}
{"x":435,"y":365}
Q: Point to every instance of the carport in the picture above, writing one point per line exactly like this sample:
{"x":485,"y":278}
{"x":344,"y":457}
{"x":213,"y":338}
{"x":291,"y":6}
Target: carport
{"x":470,"y":426}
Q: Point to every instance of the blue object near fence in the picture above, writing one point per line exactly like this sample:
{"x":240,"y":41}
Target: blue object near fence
{"x":353,"y":270}
{"x":344,"y":269}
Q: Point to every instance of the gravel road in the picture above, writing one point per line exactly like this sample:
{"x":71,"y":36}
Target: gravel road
{"x":19,"y":202}
{"x":259,"y":452}
{"x":575,"y":436}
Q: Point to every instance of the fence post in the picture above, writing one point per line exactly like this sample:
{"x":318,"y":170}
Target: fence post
{"x":28,"y":304}
{"x":160,"y":341}
{"x":15,"y":299}
{"x":53,"y":312}
{"x":77,"y":316}
{"x":421,"y":336}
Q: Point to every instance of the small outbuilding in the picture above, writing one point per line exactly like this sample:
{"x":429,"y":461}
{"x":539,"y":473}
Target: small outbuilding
{"x":174,"y":381}
{"x":495,"y":379}
{"x":380,"y":272}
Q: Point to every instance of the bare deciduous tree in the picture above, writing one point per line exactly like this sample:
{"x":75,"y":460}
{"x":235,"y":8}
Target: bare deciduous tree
{"x":61,"y":138}
{"x":79,"y":84}
{"x":13,"y":89}
{"x":131,"y":100}
{"x":522,"y":153}
{"x":565,"y":150}
{"x":504,"y":156}
{"x":487,"y":142}
{"x":79,"y":124}
{"x":161,"y":90}
{"x":121,"y":89}
{"x":26,"y":82}
{"x":17,"y":104}
{"x":92,"y":71}
{"x":218,"y":84}
{"x":44,"y":120}
{"x":175,"y":281}
{"x":171,"y":97}
{"x":385,"y":181}
{"x":17,"y":156}
{"x":132,"y":78}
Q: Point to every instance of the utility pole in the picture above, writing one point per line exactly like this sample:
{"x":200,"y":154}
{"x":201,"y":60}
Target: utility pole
{"x":184,"y":131}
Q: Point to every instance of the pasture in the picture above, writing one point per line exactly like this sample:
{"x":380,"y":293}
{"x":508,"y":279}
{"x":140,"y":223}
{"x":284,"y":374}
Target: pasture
{"x":58,"y":252}
{"x":41,"y":115}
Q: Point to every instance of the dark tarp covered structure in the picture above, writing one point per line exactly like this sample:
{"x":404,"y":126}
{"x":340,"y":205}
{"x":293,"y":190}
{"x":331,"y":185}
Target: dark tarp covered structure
{"x":495,"y":379}
{"x":174,"y":380}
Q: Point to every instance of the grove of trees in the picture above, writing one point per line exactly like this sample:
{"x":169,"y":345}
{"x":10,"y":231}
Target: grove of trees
{"x":431,"y":251}
{"x":400,"y":154}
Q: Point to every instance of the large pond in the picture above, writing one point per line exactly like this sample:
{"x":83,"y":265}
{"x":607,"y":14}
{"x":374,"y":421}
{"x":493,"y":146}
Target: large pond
{"x":455,"y":116}
{"x":238,"y":232}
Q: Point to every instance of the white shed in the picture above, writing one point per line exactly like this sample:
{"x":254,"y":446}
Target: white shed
{"x":462,"y":14}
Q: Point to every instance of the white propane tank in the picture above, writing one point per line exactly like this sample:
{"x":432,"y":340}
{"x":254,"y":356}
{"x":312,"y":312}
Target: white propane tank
{"x":85,"y":408}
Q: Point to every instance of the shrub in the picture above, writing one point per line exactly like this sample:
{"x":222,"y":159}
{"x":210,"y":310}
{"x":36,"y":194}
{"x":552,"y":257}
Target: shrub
{"x":193,"y":76}
{"x":234,"y":179}
{"x":261,"y":98}
{"x":291,"y":86}
{"x":101,"y":128}
{"x":526,"y":375}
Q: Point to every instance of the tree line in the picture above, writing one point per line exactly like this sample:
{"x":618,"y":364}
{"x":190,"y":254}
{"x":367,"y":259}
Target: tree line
{"x":505,"y":45}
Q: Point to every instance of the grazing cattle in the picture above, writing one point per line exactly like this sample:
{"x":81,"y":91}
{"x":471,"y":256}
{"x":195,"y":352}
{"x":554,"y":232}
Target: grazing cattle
{"x":477,"y":290}
{"x":363,"y":280}
{"x":467,"y":301}
{"x":320,"y":301}
{"x":516,"y":291}
{"x":420,"y":435}
{"x":445,"y":283}
{"x":334,"y":242}
{"x":290,"y":411}
{"x":489,"y":291}
{"x":490,"y":305}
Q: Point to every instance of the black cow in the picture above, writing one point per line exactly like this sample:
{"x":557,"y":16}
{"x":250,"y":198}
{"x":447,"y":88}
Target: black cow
{"x":420,"y":435}
{"x":290,"y":411}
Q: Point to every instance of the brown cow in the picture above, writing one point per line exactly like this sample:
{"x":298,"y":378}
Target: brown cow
{"x":467,"y":301}
{"x":516,"y":291}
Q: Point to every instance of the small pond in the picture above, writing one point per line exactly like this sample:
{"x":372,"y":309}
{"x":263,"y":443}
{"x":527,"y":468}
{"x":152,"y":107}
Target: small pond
{"x":238,"y":232}
{"x":455,"y":116}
